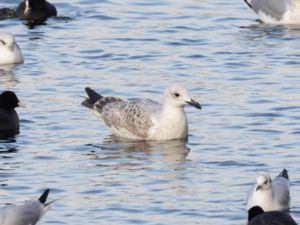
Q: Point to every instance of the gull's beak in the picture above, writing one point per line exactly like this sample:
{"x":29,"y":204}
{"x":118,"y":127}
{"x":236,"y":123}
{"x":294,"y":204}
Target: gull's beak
{"x":257,"y":188}
{"x":194,"y":103}
{"x":21,"y":104}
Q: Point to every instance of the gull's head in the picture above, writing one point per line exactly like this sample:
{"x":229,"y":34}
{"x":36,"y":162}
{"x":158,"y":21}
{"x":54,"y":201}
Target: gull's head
{"x":179,"y":96}
{"x":263,"y":182}
{"x":7,"y":40}
{"x":9,"y":100}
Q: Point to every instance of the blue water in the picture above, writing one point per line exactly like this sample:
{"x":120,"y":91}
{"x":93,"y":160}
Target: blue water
{"x":245,"y":74}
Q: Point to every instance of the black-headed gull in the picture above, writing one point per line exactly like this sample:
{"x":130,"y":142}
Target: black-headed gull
{"x":10,"y":52}
{"x":144,"y":118}
{"x":276,"y":11}
{"x":270,"y":195}
{"x":28,"y":213}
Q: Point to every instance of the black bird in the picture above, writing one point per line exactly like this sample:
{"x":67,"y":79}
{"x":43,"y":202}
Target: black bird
{"x":36,"y":10}
{"x":9,"y":119}
{"x":257,"y":216}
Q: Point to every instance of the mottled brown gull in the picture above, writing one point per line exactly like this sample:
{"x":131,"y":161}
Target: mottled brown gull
{"x":144,"y":118}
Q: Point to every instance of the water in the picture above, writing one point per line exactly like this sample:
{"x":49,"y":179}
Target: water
{"x":245,"y":74}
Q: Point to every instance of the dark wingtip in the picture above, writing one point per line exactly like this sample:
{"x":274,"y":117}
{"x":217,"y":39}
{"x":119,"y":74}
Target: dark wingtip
{"x":254,"y":211}
{"x":93,"y":97}
{"x":250,"y":6}
{"x":284,"y":174}
{"x":44,"y":196}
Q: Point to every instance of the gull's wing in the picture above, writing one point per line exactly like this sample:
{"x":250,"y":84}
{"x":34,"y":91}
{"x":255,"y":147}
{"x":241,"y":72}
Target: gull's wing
{"x":281,"y":189}
{"x":131,"y":116}
{"x":273,"y":8}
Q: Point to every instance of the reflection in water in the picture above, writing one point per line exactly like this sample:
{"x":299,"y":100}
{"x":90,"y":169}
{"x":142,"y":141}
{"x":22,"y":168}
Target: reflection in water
{"x":7,"y":146}
{"x":261,"y":31}
{"x":171,"y":151}
{"x":7,"y":76}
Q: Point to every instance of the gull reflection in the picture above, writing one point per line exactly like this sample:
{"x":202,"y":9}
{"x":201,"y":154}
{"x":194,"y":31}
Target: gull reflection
{"x":7,"y":76}
{"x":170,"y":151}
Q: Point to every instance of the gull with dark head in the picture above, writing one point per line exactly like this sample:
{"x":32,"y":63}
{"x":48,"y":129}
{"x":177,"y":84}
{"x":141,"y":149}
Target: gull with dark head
{"x":10,"y":52}
{"x":276,"y":11}
{"x":144,"y":118}
{"x":270,"y":195}
{"x":28,"y":213}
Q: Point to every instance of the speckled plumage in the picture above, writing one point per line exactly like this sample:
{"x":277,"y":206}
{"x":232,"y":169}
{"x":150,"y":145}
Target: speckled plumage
{"x":130,"y":114}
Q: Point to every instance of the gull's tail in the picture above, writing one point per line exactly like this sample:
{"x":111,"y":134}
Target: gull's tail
{"x":248,"y":3}
{"x":284,"y":174}
{"x":44,"y":196}
{"x":93,"y":97}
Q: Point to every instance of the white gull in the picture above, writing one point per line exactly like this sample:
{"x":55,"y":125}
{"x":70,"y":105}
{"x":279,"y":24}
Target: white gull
{"x":276,"y":11}
{"x":270,"y":195}
{"x":28,"y":213}
{"x":10,"y":52}
{"x":144,"y":118}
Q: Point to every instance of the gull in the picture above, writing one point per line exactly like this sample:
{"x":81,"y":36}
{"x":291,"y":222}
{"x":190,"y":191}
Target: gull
{"x":144,"y":118}
{"x":257,"y":216}
{"x":276,"y":11}
{"x":38,"y":10}
{"x":270,"y":195}
{"x":28,"y":213}
{"x":10,"y":52}
{"x":9,"y":119}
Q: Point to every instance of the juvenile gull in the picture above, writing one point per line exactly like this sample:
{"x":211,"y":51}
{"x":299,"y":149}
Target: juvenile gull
{"x":9,"y":119}
{"x":276,"y":11}
{"x":270,"y":195}
{"x":28,"y":213}
{"x":144,"y":118}
{"x":257,"y":216}
{"x":10,"y":52}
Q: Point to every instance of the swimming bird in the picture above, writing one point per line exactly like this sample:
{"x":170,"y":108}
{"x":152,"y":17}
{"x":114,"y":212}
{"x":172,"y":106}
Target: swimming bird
{"x":144,"y":118}
{"x":257,"y":216}
{"x":276,"y":11}
{"x":28,"y":213}
{"x":10,"y":52}
{"x":270,"y":195}
{"x":36,"y":10}
{"x":9,"y":119}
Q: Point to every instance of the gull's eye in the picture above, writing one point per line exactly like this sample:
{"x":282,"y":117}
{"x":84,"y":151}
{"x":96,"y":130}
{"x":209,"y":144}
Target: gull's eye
{"x":3,"y":42}
{"x":266,"y":182}
{"x":176,"y":95}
